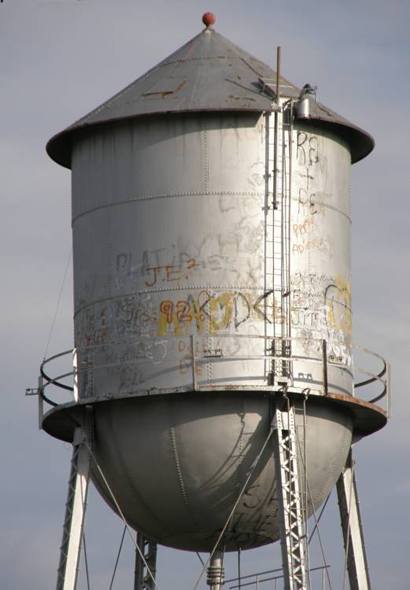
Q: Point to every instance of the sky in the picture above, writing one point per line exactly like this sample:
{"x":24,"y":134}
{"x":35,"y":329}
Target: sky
{"x":61,"y":58}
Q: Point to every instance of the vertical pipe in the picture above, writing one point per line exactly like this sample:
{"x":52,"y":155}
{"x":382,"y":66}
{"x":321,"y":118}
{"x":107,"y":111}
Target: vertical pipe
{"x":267,"y":364}
{"x":277,"y":72}
{"x":290,"y":139}
{"x":275,"y":152}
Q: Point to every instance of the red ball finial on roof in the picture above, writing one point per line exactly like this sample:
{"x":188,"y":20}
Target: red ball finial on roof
{"x":209,"y":19}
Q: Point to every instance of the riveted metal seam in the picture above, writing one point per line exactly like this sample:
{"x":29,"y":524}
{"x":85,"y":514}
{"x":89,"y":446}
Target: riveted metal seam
{"x":165,"y":289}
{"x":178,"y":466}
{"x":168,"y":196}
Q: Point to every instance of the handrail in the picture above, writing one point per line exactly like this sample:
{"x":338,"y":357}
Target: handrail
{"x":382,"y":376}
{"x":257,"y":579}
{"x":50,"y":380}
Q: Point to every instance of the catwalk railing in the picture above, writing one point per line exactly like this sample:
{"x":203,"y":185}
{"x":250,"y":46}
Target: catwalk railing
{"x":370,"y":384}
{"x":319,"y":576}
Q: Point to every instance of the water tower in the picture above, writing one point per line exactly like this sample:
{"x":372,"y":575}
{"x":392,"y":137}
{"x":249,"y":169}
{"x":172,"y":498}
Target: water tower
{"x":214,"y":403}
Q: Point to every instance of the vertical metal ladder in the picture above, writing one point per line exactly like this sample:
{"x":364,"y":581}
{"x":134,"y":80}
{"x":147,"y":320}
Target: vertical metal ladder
{"x":277,"y":242}
{"x":278,"y":330}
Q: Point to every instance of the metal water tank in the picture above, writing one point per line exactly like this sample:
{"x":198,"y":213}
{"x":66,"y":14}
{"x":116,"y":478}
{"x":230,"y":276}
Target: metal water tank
{"x":211,"y":234}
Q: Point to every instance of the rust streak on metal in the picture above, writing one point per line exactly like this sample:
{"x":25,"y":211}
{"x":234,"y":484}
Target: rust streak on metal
{"x":164,"y":93}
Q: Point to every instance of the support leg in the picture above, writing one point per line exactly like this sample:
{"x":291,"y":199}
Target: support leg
{"x":352,"y":528}
{"x":142,"y":578}
{"x":293,"y":537}
{"x":74,"y":515}
{"x":215,"y":579}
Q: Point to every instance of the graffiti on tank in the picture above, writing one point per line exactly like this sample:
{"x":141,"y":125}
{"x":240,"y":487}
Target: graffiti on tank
{"x":307,"y":149}
{"x":321,"y":310}
{"x":301,"y":229}
{"x":338,"y":303}
{"x":179,"y":263}
{"x":257,"y":176}
{"x":214,"y":312}
{"x":170,"y":273}
{"x":115,"y":320}
{"x":144,"y":315}
{"x":308,"y":231}
{"x":319,"y":244}
{"x":152,"y":268}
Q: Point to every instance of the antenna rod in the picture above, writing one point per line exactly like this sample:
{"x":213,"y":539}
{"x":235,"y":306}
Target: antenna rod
{"x":277,"y":72}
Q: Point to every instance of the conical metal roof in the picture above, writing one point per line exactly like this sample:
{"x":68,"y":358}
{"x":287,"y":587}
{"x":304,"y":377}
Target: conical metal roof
{"x":209,"y":73}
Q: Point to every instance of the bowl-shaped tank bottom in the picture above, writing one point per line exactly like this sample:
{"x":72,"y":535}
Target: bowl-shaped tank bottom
{"x":176,"y":464}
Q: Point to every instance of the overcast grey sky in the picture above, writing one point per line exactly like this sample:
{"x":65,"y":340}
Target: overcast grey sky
{"x":61,"y":58}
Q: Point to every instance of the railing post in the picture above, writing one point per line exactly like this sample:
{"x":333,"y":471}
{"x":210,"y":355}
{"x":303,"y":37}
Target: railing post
{"x":324,"y":357}
{"x":75,"y":375}
{"x":194,"y":383}
{"x":40,"y":402}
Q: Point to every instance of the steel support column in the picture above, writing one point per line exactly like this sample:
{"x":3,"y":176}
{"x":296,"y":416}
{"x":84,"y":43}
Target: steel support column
{"x":143,"y":578}
{"x":293,"y":537}
{"x":215,"y":578}
{"x":74,"y":514}
{"x":352,"y":528}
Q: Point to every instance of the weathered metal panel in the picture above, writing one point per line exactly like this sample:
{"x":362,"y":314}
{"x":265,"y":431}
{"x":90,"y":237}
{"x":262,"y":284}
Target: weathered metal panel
{"x":202,"y":447}
{"x":168,"y":226}
{"x":169,"y":243}
{"x":209,"y":73}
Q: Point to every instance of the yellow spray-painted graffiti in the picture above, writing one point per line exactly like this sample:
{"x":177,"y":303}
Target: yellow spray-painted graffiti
{"x":216,"y":312}
{"x":338,"y":304}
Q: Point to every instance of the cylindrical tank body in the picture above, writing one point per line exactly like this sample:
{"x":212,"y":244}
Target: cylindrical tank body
{"x":169,"y":244}
{"x":211,"y":275}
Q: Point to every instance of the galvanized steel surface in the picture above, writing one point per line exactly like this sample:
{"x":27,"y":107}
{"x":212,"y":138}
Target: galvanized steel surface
{"x":169,"y":247}
{"x":209,"y":73}
{"x":171,"y":239}
{"x":176,"y":464}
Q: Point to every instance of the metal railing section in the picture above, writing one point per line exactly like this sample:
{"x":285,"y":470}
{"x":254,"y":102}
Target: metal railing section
{"x":276,"y":579}
{"x":365,"y":380}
